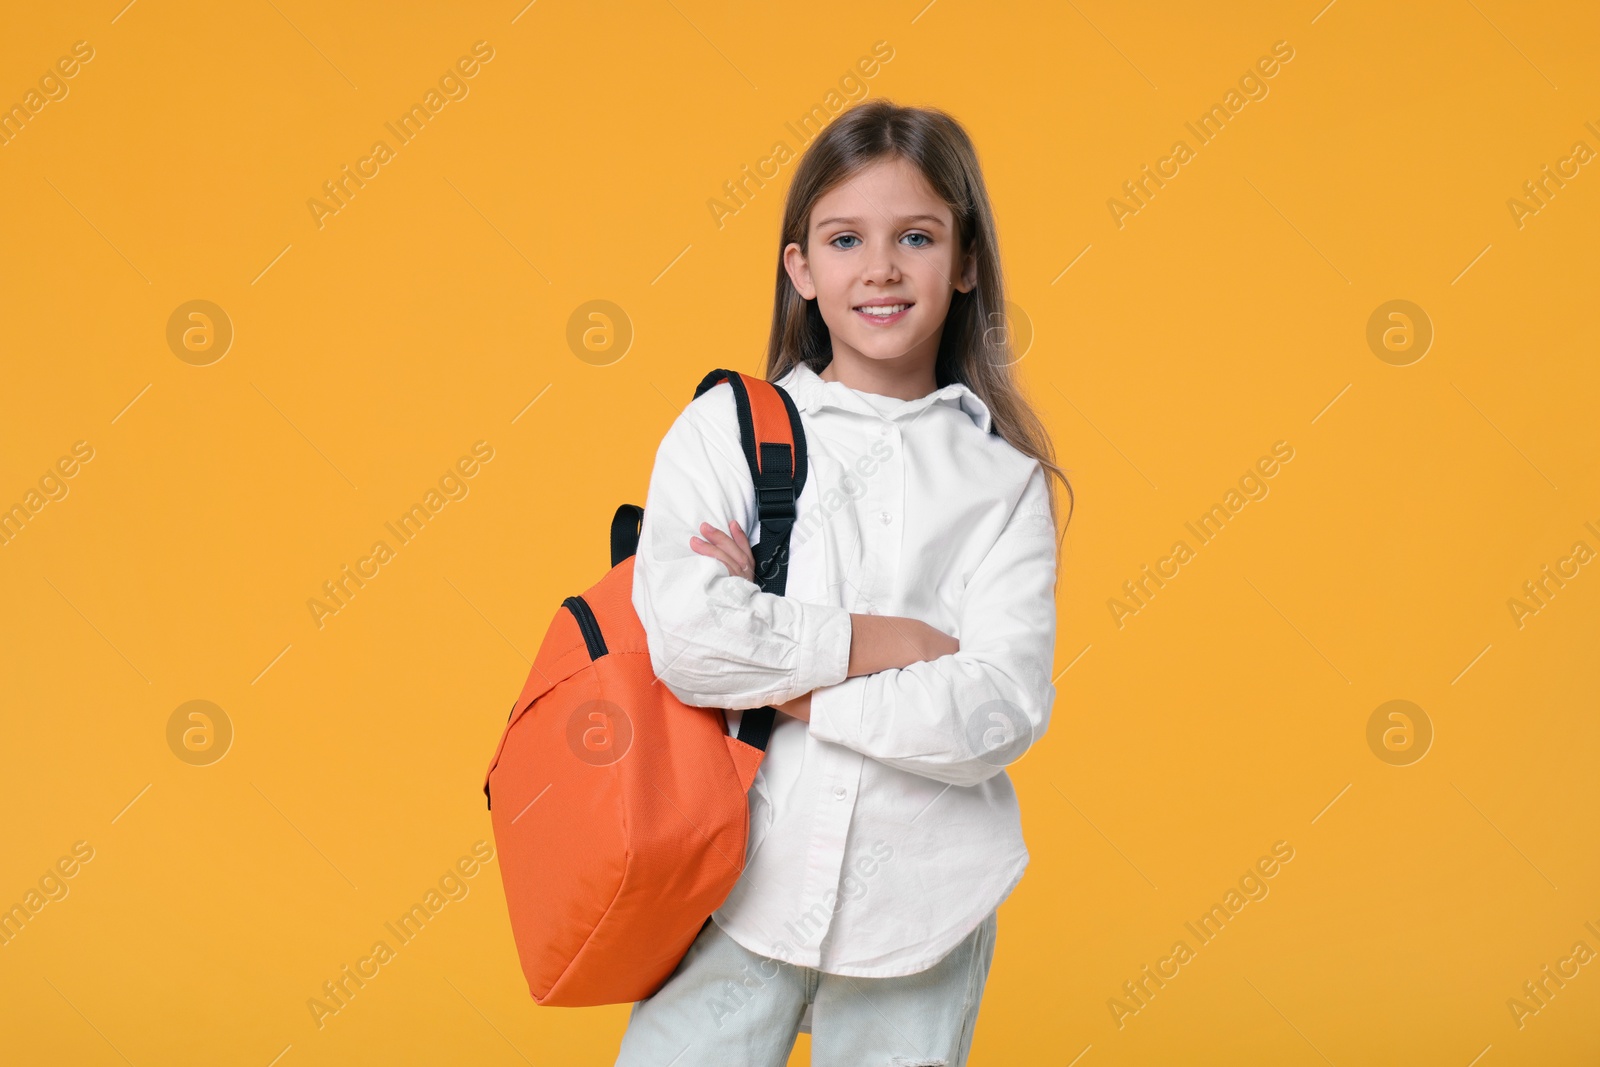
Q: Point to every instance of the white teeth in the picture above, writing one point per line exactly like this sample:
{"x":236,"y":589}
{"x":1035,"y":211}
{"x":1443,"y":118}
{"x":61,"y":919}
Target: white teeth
{"x":884,"y":310}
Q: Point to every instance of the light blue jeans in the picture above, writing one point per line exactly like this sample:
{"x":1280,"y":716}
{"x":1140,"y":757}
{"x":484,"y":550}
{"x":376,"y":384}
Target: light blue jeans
{"x":725,"y":1006}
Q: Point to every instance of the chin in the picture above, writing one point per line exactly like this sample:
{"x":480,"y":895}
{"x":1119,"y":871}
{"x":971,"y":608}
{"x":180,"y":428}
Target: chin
{"x":878,"y":352}
{"x":879,"y":344}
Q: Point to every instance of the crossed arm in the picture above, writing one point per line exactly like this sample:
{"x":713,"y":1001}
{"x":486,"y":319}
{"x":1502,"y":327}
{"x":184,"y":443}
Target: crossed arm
{"x":894,"y":689}
{"x":877,"y":642}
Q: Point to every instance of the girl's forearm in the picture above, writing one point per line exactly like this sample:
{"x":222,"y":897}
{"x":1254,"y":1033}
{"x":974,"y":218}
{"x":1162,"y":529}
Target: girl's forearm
{"x":885,"y":642}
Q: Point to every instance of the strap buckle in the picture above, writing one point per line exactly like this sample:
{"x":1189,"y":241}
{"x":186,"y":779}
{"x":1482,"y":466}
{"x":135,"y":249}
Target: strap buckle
{"x":776,"y":502}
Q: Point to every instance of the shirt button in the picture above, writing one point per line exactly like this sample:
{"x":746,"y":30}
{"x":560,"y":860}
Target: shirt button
{"x":838,"y":792}
{"x":885,"y":517}
{"x":884,"y":431}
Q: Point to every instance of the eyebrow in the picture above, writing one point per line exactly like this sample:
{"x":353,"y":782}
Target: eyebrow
{"x":904,"y":218}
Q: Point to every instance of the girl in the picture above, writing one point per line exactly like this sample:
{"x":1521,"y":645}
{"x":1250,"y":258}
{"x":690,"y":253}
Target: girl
{"x":911,"y":655}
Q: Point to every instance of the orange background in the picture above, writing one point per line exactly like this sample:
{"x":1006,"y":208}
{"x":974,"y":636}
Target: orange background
{"x":432,"y":311}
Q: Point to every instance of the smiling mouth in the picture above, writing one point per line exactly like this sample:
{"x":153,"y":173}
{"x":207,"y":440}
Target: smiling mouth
{"x":883,"y":312}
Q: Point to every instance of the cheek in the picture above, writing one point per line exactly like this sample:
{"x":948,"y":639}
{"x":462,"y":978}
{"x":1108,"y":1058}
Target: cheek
{"x":932,"y":276}
{"x":933,"y":295}
{"x":836,"y":313}
{"x":834,"y":290}
{"x":833,"y":286}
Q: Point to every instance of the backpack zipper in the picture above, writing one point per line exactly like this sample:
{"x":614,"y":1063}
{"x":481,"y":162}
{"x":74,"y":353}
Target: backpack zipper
{"x":587,"y":624}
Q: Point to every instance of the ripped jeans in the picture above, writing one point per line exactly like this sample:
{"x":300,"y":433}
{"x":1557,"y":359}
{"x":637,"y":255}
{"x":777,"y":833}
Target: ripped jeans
{"x":725,"y":1006}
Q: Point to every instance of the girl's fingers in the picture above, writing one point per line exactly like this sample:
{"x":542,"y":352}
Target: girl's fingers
{"x":734,"y":549}
{"x":733,"y":554}
{"x":706,"y":549}
{"x":739,"y":545}
{"x":746,"y":557}
{"x":716,"y":536}
{"x":723,"y":545}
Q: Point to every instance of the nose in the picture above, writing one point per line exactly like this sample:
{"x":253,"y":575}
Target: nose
{"x":882,"y":264}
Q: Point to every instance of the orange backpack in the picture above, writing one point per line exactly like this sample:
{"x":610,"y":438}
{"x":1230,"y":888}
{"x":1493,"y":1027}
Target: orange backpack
{"x":623,"y":811}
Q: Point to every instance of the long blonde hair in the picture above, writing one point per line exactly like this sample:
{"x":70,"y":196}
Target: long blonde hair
{"x":975,"y":348}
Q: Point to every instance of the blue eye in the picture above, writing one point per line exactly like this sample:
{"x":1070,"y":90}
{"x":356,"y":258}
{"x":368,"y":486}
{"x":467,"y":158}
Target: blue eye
{"x":924,"y":240}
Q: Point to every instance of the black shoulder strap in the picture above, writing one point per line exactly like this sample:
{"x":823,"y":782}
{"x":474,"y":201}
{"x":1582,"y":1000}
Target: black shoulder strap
{"x":625,"y":532}
{"x":775,"y":447}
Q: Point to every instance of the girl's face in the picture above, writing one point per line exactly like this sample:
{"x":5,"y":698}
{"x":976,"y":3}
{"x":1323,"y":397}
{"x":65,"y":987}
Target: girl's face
{"x":882,"y":237}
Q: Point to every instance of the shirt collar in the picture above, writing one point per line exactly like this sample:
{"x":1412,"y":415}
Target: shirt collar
{"x":812,"y":392}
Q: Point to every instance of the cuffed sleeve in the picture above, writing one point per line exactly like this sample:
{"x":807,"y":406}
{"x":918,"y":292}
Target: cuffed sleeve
{"x":961,"y":718}
{"x":717,"y":640}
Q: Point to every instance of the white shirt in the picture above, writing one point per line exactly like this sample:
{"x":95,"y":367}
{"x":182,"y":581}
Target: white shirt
{"x":883,"y":833}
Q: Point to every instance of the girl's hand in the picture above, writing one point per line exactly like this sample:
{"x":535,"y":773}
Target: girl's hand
{"x":736,"y":555}
{"x":734,"y":552}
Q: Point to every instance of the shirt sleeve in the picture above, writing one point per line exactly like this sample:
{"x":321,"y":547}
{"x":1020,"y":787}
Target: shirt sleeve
{"x":961,"y":718}
{"x":717,"y":640}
